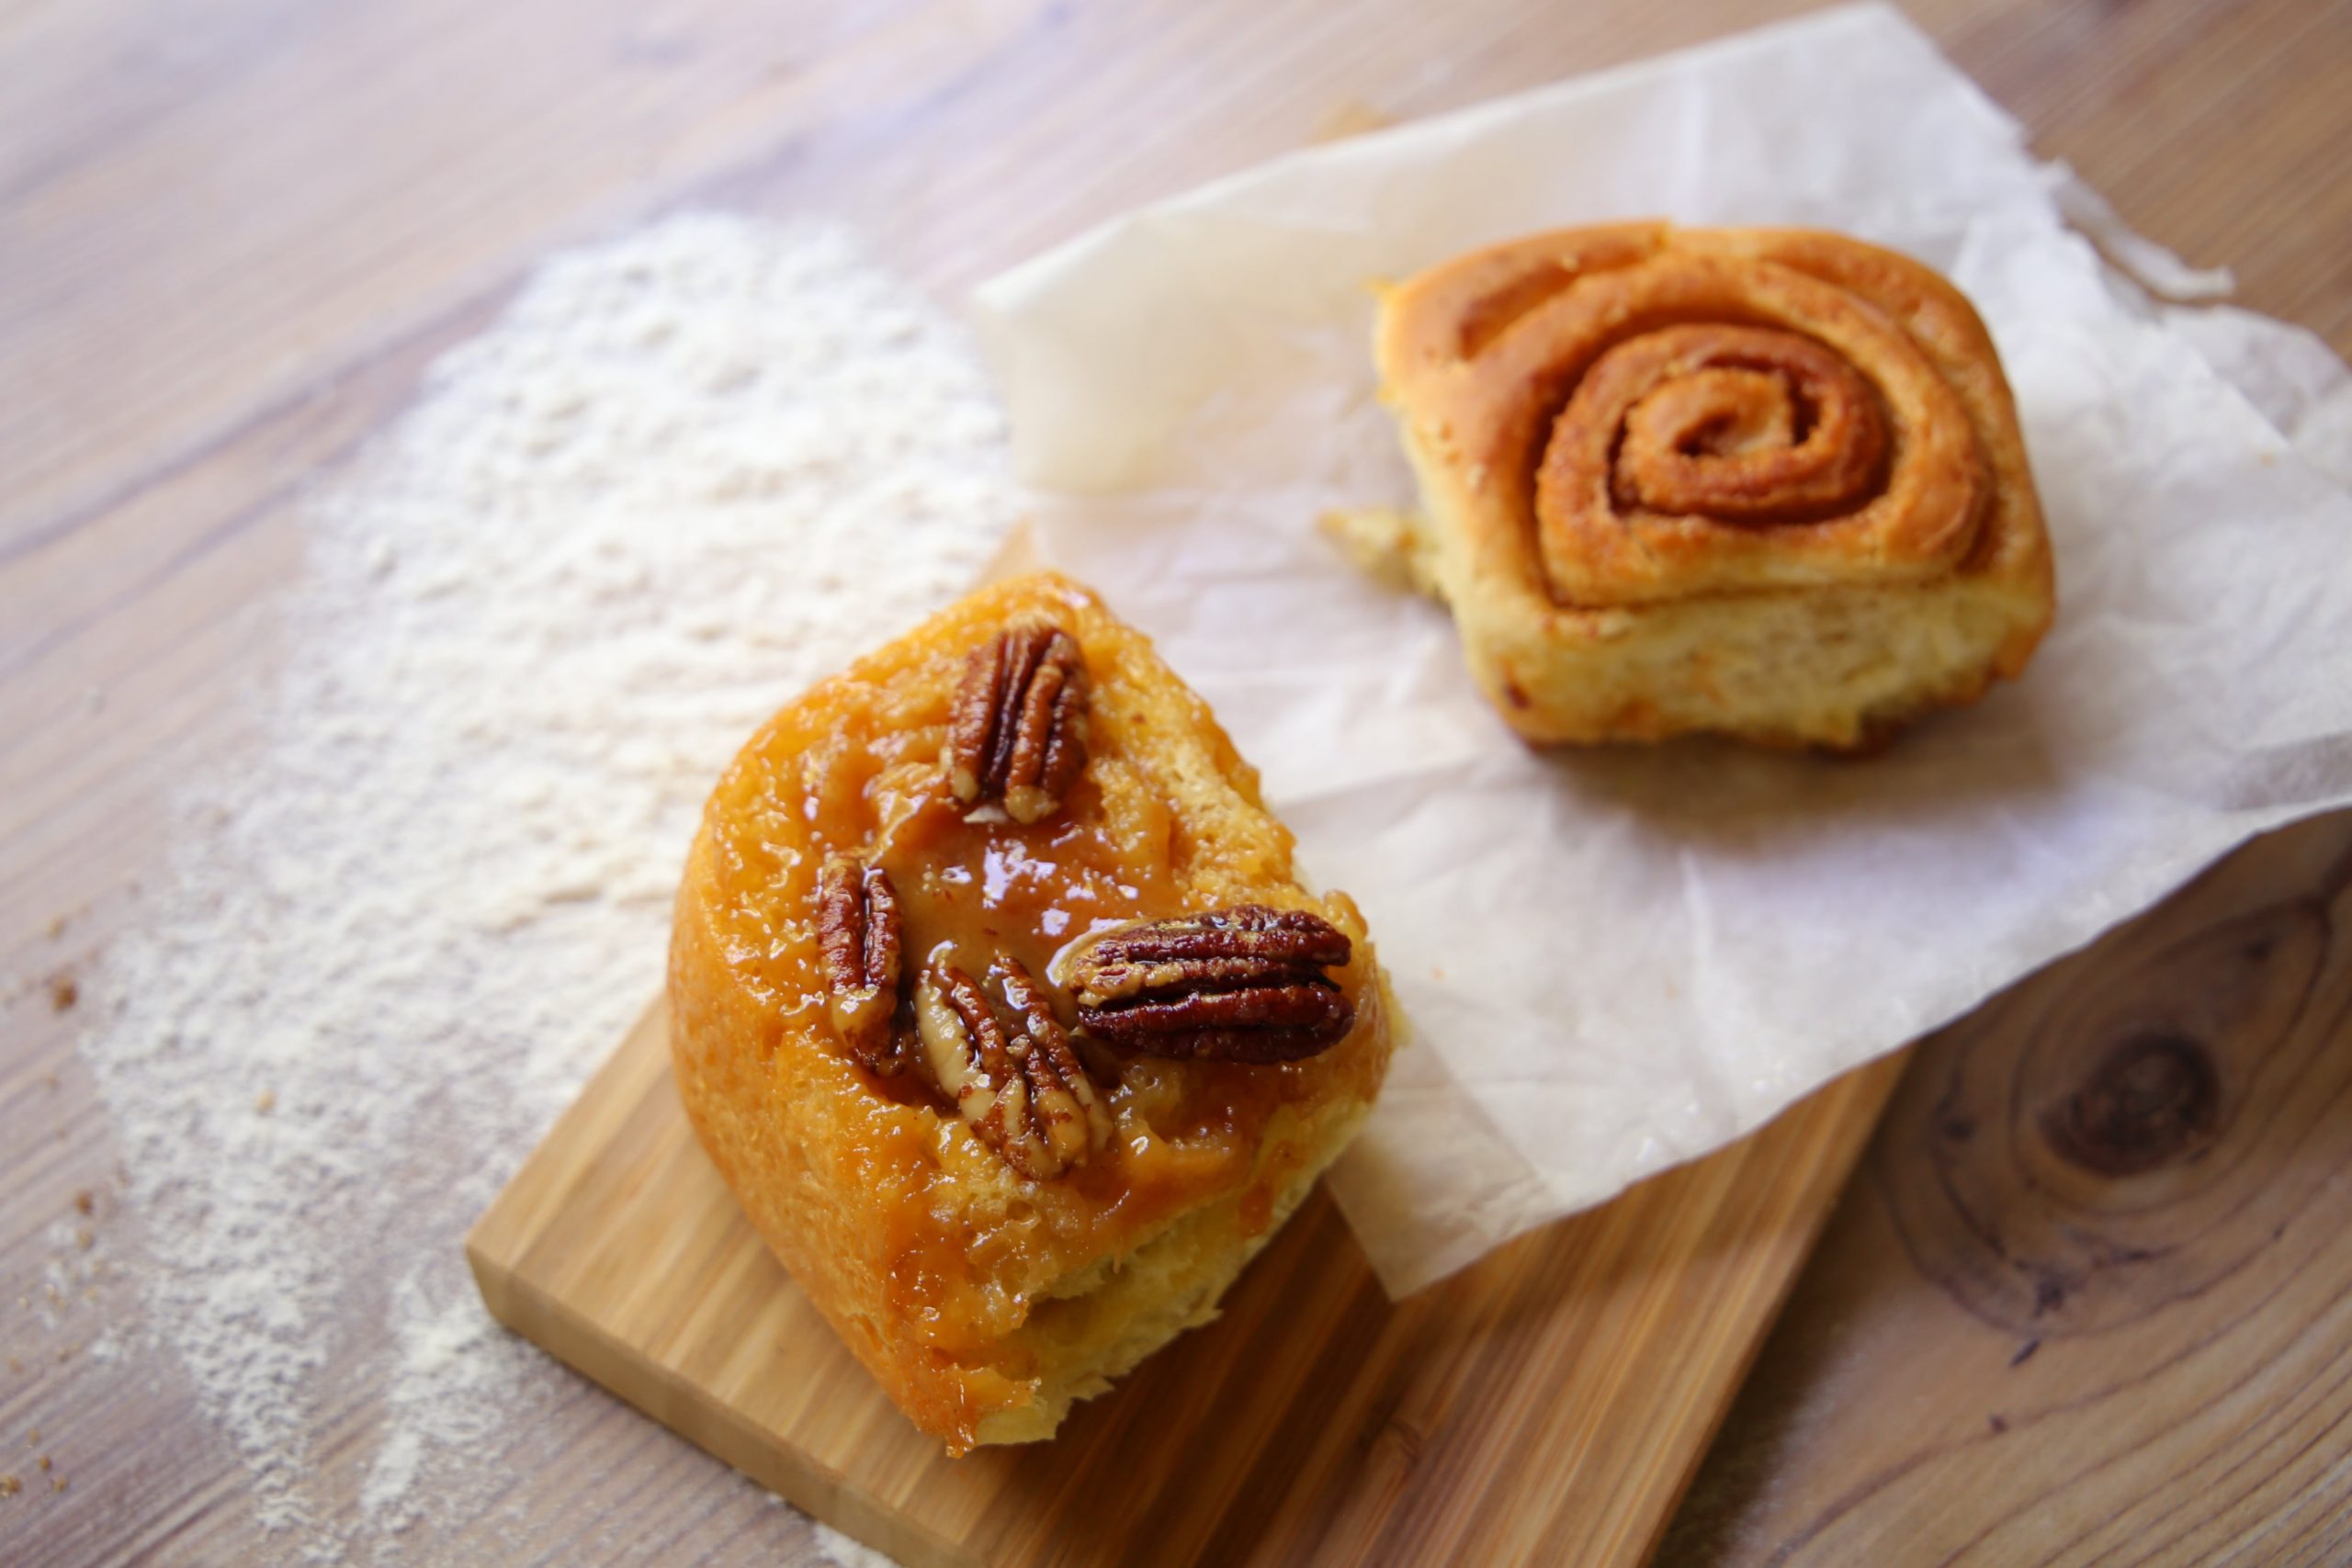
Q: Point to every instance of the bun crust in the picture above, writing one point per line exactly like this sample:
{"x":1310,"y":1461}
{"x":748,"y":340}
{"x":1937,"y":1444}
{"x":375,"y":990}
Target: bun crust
{"x":1765,"y":483}
{"x":984,"y":1302}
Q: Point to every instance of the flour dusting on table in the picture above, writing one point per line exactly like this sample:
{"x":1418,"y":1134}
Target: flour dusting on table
{"x":689,"y":472}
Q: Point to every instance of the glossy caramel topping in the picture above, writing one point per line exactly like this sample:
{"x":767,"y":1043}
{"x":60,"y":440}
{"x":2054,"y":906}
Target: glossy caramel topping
{"x":968,"y":1247}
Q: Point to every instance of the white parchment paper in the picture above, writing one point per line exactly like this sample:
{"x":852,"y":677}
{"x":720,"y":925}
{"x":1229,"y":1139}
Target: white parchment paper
{"x":1614,"y":960}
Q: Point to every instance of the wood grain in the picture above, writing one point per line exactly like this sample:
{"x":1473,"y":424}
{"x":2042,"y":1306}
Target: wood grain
{"x":232,"y":234}
{"x":2091,"y":1300}
{"x":1546,"y":1406}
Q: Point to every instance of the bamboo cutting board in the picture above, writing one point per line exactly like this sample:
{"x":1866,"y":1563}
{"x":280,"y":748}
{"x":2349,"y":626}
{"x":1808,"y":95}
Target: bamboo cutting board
{"x":1548,"y":1406}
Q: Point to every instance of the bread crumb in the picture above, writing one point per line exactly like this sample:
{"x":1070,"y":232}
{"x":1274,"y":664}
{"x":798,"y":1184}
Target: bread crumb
{"x":58,"y":1484}
{"x":9,"y":1486}
{"x":1350,"y":117}
{"x":84,"y":1202}
{"x":62,"y":993}
{"x":1388,"y":546}
{"x":44,"y":1461}
{"x":266,"y":1101}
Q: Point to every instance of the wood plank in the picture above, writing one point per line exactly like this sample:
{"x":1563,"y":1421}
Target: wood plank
{"x":211,"y":191}
{"x":1547,"y":1406}
{"x":2091,"y":1299}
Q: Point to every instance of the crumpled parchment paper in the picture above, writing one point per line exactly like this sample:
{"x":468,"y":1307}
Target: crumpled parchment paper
{"x":1614,"y":960}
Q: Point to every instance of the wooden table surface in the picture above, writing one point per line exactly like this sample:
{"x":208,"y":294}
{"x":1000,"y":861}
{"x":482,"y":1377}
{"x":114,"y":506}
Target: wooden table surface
{"x":2087,"y":1299}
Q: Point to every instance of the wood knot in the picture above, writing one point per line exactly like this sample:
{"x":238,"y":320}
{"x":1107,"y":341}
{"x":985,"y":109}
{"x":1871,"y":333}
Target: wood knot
{"x":2132,"y":1127}
{"x":2150,"y":1100}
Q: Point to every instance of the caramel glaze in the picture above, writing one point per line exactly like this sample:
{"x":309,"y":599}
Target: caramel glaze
{"x":856,"y":769}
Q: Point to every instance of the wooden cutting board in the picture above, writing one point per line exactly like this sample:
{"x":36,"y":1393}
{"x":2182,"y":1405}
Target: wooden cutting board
{"x":1548,"y":1406}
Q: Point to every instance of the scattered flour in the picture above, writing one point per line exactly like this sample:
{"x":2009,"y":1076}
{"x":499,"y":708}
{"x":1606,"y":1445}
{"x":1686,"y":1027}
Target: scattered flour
{"x":689,"y":472}
{"x":845,"y":1553}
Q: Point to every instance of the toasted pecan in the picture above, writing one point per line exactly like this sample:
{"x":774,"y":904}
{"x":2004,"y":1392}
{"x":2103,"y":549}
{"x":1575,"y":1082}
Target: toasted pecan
{"x":1018,"y":731}
{"x":1246,"y":984}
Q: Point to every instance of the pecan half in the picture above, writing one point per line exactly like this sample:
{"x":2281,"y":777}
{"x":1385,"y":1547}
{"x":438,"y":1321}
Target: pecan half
{"x":857,"y":936}
{"x":1013,"y":1075}
{"x":1018,"y":731}
{"x":1239,"y":984}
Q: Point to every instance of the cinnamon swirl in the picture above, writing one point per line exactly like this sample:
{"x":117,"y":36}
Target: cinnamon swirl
{"x":1762,"y":482}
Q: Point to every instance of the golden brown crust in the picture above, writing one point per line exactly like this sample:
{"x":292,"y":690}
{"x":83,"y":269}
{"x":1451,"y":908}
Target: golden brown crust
{"x":1650,"y":456}
{"x":964,"y":1286}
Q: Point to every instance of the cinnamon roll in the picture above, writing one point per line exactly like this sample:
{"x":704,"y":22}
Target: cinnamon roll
{"x":1762,"y":482}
